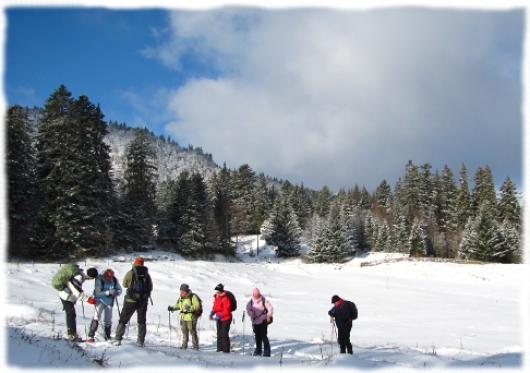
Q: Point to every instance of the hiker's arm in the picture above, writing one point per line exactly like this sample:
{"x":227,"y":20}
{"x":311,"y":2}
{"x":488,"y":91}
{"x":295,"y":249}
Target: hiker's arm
{"x":332,"y":312}
{"x":194,"y":304}
{"x":269,"y":308}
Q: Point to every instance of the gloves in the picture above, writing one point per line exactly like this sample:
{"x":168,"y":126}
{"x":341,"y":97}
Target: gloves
{"x":212,"y":315}
{"x":218,"y":316}
{"x":186,"y":308}
{"x":111,"y":292}
{"x":170,"y":309}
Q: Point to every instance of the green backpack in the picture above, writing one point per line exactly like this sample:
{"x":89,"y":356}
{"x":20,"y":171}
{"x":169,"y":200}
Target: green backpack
{"x":65,"y":273}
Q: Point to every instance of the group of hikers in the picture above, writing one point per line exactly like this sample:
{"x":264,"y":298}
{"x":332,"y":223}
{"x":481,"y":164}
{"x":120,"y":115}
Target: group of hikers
{"x":139,"y":286}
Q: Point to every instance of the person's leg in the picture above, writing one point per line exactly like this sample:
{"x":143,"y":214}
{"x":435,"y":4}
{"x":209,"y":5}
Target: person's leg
{"x":347,"y":339}
{"x":107,"y":320}
{"x":226,"y":335}
{"x":126,"y":313}
{"x":266,"y":344}
{"x":142,"y":319}
{"x":185,"y":330}
{"x":98,"y":310}
{"x":219,"y":336}
{"x":69,"y":309}
{"x":341,"y":339}
{"x":258,"y":338}
{"x":194,"y":335}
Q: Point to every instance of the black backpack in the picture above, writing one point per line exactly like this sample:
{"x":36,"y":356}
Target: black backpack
{"x":354,"y":312}
{"x":233,"y":302}
{"x":139,"y":288}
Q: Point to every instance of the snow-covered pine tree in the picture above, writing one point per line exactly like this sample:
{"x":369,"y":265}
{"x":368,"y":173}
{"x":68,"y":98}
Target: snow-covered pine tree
{"x":74,"y":183}
{"x":323,"y":202}
{"x":139,"y":191}
{"x":22,"y":184}
{"x":365,"y":199}
{"x":301,"y":204}
{"x":417,"y":245}
{"x":484,"y":195}
{"x":339,"y":246}
{"x":222,"y":210}
{"x":281,"y":229}
{"x":244,"y":182}
{"x":319,"y":241}
{"x":261,"y":201}
{"x":401,"y":234}
{"x":410,"y":191}
{"x":509,"y":249}
{"x":481,"y":238}
{"x":463,"y":204}
{"x":508,"y":208}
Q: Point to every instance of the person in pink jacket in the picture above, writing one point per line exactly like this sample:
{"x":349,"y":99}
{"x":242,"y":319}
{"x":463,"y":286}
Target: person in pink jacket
{"x":260,"y":311}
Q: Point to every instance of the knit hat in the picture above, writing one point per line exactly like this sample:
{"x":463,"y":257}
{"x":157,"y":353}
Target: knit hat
{"x":139,"y":261}
{"x":335,"y":298}
{"x":184,"y":287}
{"x":92,"y":272}
{"x":108,"y":274}
{"x":220,"y":287}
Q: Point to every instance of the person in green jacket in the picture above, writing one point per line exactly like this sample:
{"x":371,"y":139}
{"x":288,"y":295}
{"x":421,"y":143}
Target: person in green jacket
{"x":189,"y":305}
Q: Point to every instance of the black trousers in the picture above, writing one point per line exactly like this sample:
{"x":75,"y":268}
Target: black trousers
{"x":260,"y":333}
{"x":344,"y":330}
{"x":129,"y":308}
{"x":69,"y":309}
{"x":223,"y":340}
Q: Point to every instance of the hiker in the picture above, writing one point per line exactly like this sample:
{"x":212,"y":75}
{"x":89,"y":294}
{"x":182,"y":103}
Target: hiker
{"x":190,"y":307}
{"x":223,"y":306}
{"x":344,"y":312}
{"x":71,"y":292}
{"x":260,"y":310}
{"x":106,"y":289}
{"x":139,"y":286}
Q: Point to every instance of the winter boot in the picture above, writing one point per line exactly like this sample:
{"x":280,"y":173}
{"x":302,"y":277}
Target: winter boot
{"x":92,"y":330}
{"x":256,"y":352}
{"x":107,"y":333}
{"x":116,"y":342}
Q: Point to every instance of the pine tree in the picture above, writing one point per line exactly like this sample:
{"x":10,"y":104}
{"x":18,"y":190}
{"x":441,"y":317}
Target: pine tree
{"x":484,"y":191}
{"x":383,"y":199}
{"x":508,"y":208}
{"x":417,"y":245}
{"x":319,"y":241}
{"x":22,"y":183}
{"x":75,"y":189}
{"x":509,"y":247}
{"x":482,"y":237}
{"x":365,"y":201}
{"x":244,"y":182}
{"x":339,"y":244}
{"x":223,"y":209}
{"x":463,"y":200}
{"x":301,"y":204}
{"x":261,"y":201}
{"x":323,"y":202}
{"x":282,"y":229}
{"x":410,"y":192}
{"x":138,"y":202}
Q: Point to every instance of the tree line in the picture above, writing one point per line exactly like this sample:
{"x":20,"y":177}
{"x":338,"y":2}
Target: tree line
{"x":63,"y":202}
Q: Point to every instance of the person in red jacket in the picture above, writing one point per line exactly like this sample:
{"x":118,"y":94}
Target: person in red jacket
{"x":222,"y":313}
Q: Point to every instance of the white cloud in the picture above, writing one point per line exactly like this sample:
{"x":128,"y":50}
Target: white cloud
{"x":335,"y":98}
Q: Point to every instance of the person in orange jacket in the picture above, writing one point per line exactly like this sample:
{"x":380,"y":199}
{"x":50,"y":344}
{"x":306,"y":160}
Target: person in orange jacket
{"x":222,"y":314}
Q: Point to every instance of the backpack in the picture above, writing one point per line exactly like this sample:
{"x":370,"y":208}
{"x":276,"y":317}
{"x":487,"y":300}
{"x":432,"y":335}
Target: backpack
{"x":139,"y":288}
{"x":198,"y":311}
{"x":233,"y":302}
{"x":354,"y":312}
{"x":65,"y":273}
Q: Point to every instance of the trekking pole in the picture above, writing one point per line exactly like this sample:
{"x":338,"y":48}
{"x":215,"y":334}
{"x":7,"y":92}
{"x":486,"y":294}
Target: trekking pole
{"x":331,"y":335}
{"x":244,"y":335}
{"x":118,"y":305}
{"x":169,"y":317}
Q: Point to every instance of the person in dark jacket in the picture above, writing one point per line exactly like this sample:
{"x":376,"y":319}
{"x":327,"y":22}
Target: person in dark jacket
{"x":343,"y":314}
{"x":222,"y":313}
{"x":139,"y":286}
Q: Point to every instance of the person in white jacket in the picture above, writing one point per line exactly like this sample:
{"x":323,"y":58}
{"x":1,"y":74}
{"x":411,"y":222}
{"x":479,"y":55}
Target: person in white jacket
{"x":260,"y":311}
{"x":70,"y":295}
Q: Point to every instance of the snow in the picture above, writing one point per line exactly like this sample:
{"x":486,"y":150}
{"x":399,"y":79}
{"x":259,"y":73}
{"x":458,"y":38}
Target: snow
{"x":411,"y":314}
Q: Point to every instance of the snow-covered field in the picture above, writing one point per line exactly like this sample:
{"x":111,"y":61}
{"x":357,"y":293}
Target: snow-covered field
{"x":415,"y":315}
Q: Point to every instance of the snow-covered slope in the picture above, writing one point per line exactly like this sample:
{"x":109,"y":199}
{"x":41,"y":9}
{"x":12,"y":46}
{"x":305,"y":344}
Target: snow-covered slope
{"x":171,"y":159}
{"x":410,"y":314}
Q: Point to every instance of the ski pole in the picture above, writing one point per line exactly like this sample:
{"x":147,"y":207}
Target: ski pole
{"x":118,"y":305}
{"x":244,"y":335}
{"x":169,"y":317}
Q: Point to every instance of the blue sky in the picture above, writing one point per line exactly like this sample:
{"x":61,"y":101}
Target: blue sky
{"x":314,"y":96}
